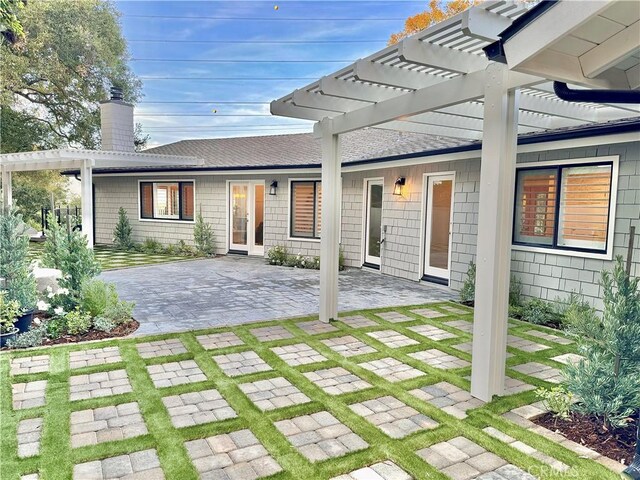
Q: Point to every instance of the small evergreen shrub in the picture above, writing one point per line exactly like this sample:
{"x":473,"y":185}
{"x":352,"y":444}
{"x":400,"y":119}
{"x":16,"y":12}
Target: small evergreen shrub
{"x":78,"y":322}
{"x":32,"y":338}
{"x":151,"y":245}
{"x":122,"y":231}
{"x":515,"y":292}
{"x":184,"y":249}
{"x":103,"y":324}
{"x":56,"y":327}
{"x":55,"y":246}
{"x":119,"y":312}
{"x":557,"y":400}
{"x":539,"y":312}
{"x":96,"y":296}
{"x":278,"y":255}
{"x":203,"y":237}
{"x":468,"y":290}
{"x":9,"y":311}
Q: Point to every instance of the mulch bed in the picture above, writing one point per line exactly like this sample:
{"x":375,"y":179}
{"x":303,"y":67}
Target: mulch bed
{"x":618,"y":444}
{"x":120,"y":331}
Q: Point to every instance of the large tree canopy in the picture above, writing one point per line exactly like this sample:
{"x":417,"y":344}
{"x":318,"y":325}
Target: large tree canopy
{"x":69,"y":55}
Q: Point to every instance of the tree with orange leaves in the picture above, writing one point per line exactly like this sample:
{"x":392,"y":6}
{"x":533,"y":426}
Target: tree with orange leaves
{"x":438,"y":11}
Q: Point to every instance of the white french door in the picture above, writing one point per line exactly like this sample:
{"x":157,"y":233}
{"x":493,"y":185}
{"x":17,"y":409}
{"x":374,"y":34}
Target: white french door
{"x":246,"y":217}
{"x":437,"y":257}
{"x":373,"y":222}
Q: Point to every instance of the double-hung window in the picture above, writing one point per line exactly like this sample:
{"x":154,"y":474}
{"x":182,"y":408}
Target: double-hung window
{"x":564,"y":207}
{"x":306,"y":208}
{"x":167,"y":200}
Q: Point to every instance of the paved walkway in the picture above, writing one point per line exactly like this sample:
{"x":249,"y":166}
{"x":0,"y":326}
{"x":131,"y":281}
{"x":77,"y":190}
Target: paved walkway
{"x":230,"y":290}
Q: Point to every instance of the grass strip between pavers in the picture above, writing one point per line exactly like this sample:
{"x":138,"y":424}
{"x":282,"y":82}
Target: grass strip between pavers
{"x":57,"y":459}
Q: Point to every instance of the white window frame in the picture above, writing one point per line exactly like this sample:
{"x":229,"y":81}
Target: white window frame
{"x":167,"y":219}
{"x":613,"y":197}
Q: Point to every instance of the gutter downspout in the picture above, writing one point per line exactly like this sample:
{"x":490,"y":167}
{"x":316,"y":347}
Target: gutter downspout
{"x":595,"y":96}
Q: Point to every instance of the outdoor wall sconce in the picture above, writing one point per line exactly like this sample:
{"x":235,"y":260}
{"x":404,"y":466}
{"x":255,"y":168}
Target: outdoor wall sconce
{"x":397,"y":187}
{"x":273,"y":187}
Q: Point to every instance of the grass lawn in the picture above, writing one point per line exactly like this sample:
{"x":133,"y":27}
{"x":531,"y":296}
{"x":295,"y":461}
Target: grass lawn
{"x":112,"y":259}
{"x":328,"y":407}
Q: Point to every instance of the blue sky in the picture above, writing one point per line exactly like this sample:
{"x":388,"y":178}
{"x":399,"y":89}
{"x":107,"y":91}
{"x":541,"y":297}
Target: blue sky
{"x":257,"y":23}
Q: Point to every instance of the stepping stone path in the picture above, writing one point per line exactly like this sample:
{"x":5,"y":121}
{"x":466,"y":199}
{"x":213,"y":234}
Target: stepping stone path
{"x":429,"y":313}
{"x":568,"y":358}
{"x":320,"y":436}
{"x":31,"y":476}
{"x":549,"y":337}
{"x":526,"y":449}
{"x":93,"y":357}
{"x":514,"y":385}
{"x":541,"y":371}
{"x":337,"y":380}
{"x":100,"y":384}
{"x":143,"y":465}
{"x":395,"y":317}
{"x":298,"y":354}
{"x":463,"y":325}
{"x":386,"y":470}
{"x":29,"y":434}
{"x":358,"y":321}
{"x":455,"y":310}
{"x":29,"y":365}
{"x":175,"y":373}
{"x":106,"y":424}
{"x":219,"y":340}
{"x":241,"y":363}
{"x":348,"y":346}
{"x":468,"y":348}
{"x":270,"y":334}
{"x":161,"y":348}
{"x":28,"y":394}
{"x":196,"y":408}
{"x":316,"y":327}
{"x":393,"y":417}
{"x":439,"y":359}
{"x":237,"y":455}
{"x":450,"y":398}
{"x":392,"y":339}
{"x":273,"y":393}
{"x":391,"y":369}
{"x":525,"y":345}
{"x":431,"y":332}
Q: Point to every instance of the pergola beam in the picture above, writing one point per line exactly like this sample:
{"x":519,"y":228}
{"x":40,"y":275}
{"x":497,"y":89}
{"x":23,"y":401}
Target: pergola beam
{"x":611,"y":51}
{"x":368,"y":71}
{"x":429,"y":55}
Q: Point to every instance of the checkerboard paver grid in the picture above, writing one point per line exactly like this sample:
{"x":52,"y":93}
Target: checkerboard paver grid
{"x":524,"y":344}
{"x":93,"y":357}
{"x":358,"y":321}
{"x":106,"y":424}
{"x":431,"y":332}
{"x":549,"y":337}
{"x":320,"y":436}
{"x":386,"y":470}
{"x":392,"y":339}
{"x":175,"y":373}
{"x":28,"y":394}
{"x":140,"y":465}
{"x":272,"y":333}
{"x":348,"y":346}
{"x":568,"y":358}
{"x":393,"y":417}
{"x":455,"y":310}
{"x":99,"y":384}
{"x":29,"y":365}
{"x":526,"y":449}
{"x":237,"y":455}
{"x":439,"y":359}
{"x":337,"y":380}
{"x":463,"y":325}
{"x":29,"y":435}
{"x":429,"y":313}
{"x":391,"y":369}
{"x":450,"y":398}
{"x":196,"y":408}
{"x":241,"y":363}
{"x":316,"y":327}
{"x":214,"y":341}
{"x":395,"y":317}
{"x":541,"y":371}
{"x":298,"y":354}
{"x":273,"y":393}
{"x":468,"y":348}
{"x":514,"y":385}
{"x":161,"y":348}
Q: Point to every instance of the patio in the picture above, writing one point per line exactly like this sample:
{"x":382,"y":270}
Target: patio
{"x":379,"y":394}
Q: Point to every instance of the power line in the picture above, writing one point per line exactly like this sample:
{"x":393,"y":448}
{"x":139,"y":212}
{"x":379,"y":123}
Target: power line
{"x":275,"y":42}
{"x":288,"y":19}
{"x":229,"y":78}
{"x":216,"y":60}
{"x":250,"y":125}
{"x":203,"y":115}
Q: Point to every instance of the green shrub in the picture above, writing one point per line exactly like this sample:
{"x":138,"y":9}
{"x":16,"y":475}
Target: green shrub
{"x":573,"y":309}
{"x":96,"y":296}
{"x":151,"y":245}
{"x":55,"y":246}
{"x":78,"y":322}
{"x":56,"y":327}
{"x":32,"y":338}
{"x":122,"y":231}
{"x":119,"y":312}
{"x":515,"y":292}
{"x":184,"y":249}
{"x":203,"y":237}
{"x":9,"y":312}
{"x":557,"y":400}
{"x":278,"y":255}
{"x":607,"y":381}
{"x":468,"y":290}
{"x":103,"y":324}
{"x":539,"y":312}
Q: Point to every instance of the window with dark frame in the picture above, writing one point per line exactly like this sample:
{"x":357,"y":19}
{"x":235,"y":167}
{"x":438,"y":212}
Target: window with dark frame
{"x":306,"y":207}
{"x":564,"y":207}
{"x":167,"y":201}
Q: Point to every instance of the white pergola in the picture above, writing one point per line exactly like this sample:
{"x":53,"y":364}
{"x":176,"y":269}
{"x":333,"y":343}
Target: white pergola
{"x":440,"y":81}
{"x":83,"y":161}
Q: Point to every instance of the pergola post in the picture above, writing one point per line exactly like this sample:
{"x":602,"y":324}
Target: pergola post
{"x":86,"y":197}
{"x":7,"y":190}
{"x":497,"y":177}
{"x":330,"y":234}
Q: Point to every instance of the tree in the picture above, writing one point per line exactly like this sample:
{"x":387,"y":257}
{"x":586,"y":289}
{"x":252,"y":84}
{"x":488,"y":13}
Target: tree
{"x":71,"y":53}
{"x":438,"y":10}
{"x":10,"y":26}
{"x":123,"y":230}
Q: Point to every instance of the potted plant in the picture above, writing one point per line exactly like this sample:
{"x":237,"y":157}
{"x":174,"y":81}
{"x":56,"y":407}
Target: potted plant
{"x":17,"y":280}
{"x":9,"y":312}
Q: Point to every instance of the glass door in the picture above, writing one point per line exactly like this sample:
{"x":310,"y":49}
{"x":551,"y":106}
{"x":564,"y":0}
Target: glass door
{"x":438,"y":233}
{"x":257,"y":246}
{"x":246,"y":217}
{"x":373,"y":225}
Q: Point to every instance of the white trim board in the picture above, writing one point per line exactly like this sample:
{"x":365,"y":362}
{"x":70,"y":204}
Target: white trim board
{"x":166,"y":220}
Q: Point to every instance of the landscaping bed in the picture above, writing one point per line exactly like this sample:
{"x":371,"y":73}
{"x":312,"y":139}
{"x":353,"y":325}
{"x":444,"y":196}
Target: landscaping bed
{"x":121,"y":330}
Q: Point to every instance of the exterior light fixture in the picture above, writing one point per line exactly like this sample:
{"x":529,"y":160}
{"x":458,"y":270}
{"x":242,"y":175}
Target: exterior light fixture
{"x":397,"y":187}
{"x":273,"y":187}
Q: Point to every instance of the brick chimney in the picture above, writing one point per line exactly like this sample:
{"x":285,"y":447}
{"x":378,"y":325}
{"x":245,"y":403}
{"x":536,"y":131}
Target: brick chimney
{"x":116,"y":120}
